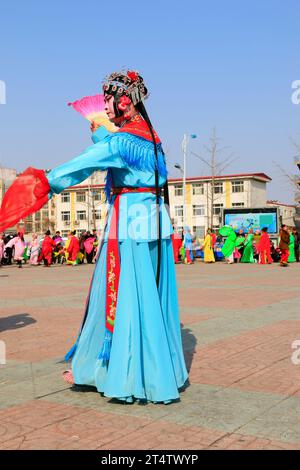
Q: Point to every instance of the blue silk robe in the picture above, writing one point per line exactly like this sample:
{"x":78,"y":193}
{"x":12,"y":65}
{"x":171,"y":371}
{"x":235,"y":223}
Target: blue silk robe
{"x":146,"y":358}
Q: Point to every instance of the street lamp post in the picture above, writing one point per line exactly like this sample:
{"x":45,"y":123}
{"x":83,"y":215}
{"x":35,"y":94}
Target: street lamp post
{"x":184,"y":147}
{"x":185,"y":143}
{"x":181,"y":170}
{"x":88,"y":204}
{"x":184,"y":150}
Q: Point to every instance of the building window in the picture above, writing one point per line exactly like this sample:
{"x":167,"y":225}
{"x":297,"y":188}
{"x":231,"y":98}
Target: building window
{"x":65,"y":216}
{"x":65,"y":197}
{"x":97,"y":214}
{"x":217,"y":209}
{"x":97,"y":195}
{"x":64,"y":233}
{"x":199,"y":231}
{"x":178,"y":211}
{"x":80,"y":196}
{"x":198,"y":210}
{"x":37,"y":216}
{"x":198,"y":189}
{"x":178,"y":190}
{"x":38,"y":227}
{"x":238,"y":204}
{"x":237,"y":186}
{"x":29,"y":227}
{"x":218,"y":188}
{"x":81,"y":215}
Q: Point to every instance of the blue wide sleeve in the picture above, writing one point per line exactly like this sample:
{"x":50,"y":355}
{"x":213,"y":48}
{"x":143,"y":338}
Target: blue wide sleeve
{"x":100,"y":156}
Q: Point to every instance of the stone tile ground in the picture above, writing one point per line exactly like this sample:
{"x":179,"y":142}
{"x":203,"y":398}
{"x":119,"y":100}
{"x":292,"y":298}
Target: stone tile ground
{"x":238,"y":326}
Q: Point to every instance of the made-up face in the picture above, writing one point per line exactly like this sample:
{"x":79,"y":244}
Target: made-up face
{"x":109,"y":106}
{"x":127,"y":108}
{"x":110,"y":110}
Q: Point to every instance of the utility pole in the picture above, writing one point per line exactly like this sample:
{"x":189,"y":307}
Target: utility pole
{"x":184,"y":146}
{"x":213,"y":150}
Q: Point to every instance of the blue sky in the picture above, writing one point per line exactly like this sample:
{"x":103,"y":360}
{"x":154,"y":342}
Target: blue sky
{"x":224,"y":64}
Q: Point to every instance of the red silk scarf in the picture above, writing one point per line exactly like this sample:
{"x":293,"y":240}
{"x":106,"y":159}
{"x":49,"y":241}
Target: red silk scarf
{"x":27,"y":194}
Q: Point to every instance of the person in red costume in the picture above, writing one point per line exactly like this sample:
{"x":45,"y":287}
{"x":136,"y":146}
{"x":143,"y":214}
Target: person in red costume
{"x":264,"y":247}
{"x":47,"y":249}
{"x":213,"y":239}
{"x":284,"y":245}
{"x":73,"y":248}
{"x":176,"y":242}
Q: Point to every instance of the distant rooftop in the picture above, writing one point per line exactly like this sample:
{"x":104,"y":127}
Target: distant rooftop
{"x":258,"y":176}
{"x":277,"y":203}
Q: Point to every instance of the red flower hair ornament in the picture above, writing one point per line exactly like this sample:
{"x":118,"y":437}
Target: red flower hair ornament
{"x":124,"y":101}
{"x":132,"y":75}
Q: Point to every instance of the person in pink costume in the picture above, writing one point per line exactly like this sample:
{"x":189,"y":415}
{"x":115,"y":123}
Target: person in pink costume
{"x":19,"y":244}
{"x":237,"y":255}
{"x":34,"y":246}
{"x":1,"y":248}
{"x":89,"y":248}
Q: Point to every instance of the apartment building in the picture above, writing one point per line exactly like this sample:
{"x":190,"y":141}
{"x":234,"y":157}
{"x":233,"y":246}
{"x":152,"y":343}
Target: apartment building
{"x":81,"y":207}
{"x":206,"y":197}
{"x":287,"y":212}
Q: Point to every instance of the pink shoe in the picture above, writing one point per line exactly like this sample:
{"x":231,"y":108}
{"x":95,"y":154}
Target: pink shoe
{"x":67,"y":375}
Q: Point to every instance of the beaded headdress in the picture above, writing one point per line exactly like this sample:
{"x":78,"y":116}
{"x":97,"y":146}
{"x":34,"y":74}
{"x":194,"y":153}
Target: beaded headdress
{"x":129,"y":83}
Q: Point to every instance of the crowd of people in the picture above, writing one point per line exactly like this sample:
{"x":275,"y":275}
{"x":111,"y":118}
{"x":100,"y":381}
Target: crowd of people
{"x":48,"y":250}
{"x":234,"y":247}
{"x":245,"y":247}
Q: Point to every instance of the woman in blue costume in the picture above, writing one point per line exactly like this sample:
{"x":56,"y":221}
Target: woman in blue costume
{"x":129,"y":344}
{"x":188,"y":246}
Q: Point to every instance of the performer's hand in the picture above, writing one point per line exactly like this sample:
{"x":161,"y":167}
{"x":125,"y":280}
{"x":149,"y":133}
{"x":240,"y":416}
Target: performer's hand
{"x":94,"y":126}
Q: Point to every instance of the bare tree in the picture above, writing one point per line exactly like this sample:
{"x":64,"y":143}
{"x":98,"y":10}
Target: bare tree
{"x":216,"y":167}
{"x":292,"y":179}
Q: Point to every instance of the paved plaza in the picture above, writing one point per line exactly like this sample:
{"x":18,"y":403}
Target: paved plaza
{"x":238,"y":326}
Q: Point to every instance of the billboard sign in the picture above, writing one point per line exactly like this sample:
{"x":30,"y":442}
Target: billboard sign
{"x":258,"y":218}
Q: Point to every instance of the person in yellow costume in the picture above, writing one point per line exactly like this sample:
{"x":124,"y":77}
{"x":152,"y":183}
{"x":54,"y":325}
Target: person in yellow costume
{"x":209,"y":256}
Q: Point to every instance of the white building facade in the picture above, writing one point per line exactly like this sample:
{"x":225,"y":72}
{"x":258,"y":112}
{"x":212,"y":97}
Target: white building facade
{"x":287,"y":212}
{"x":81,"y":207}
{"x":206,"y":198}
